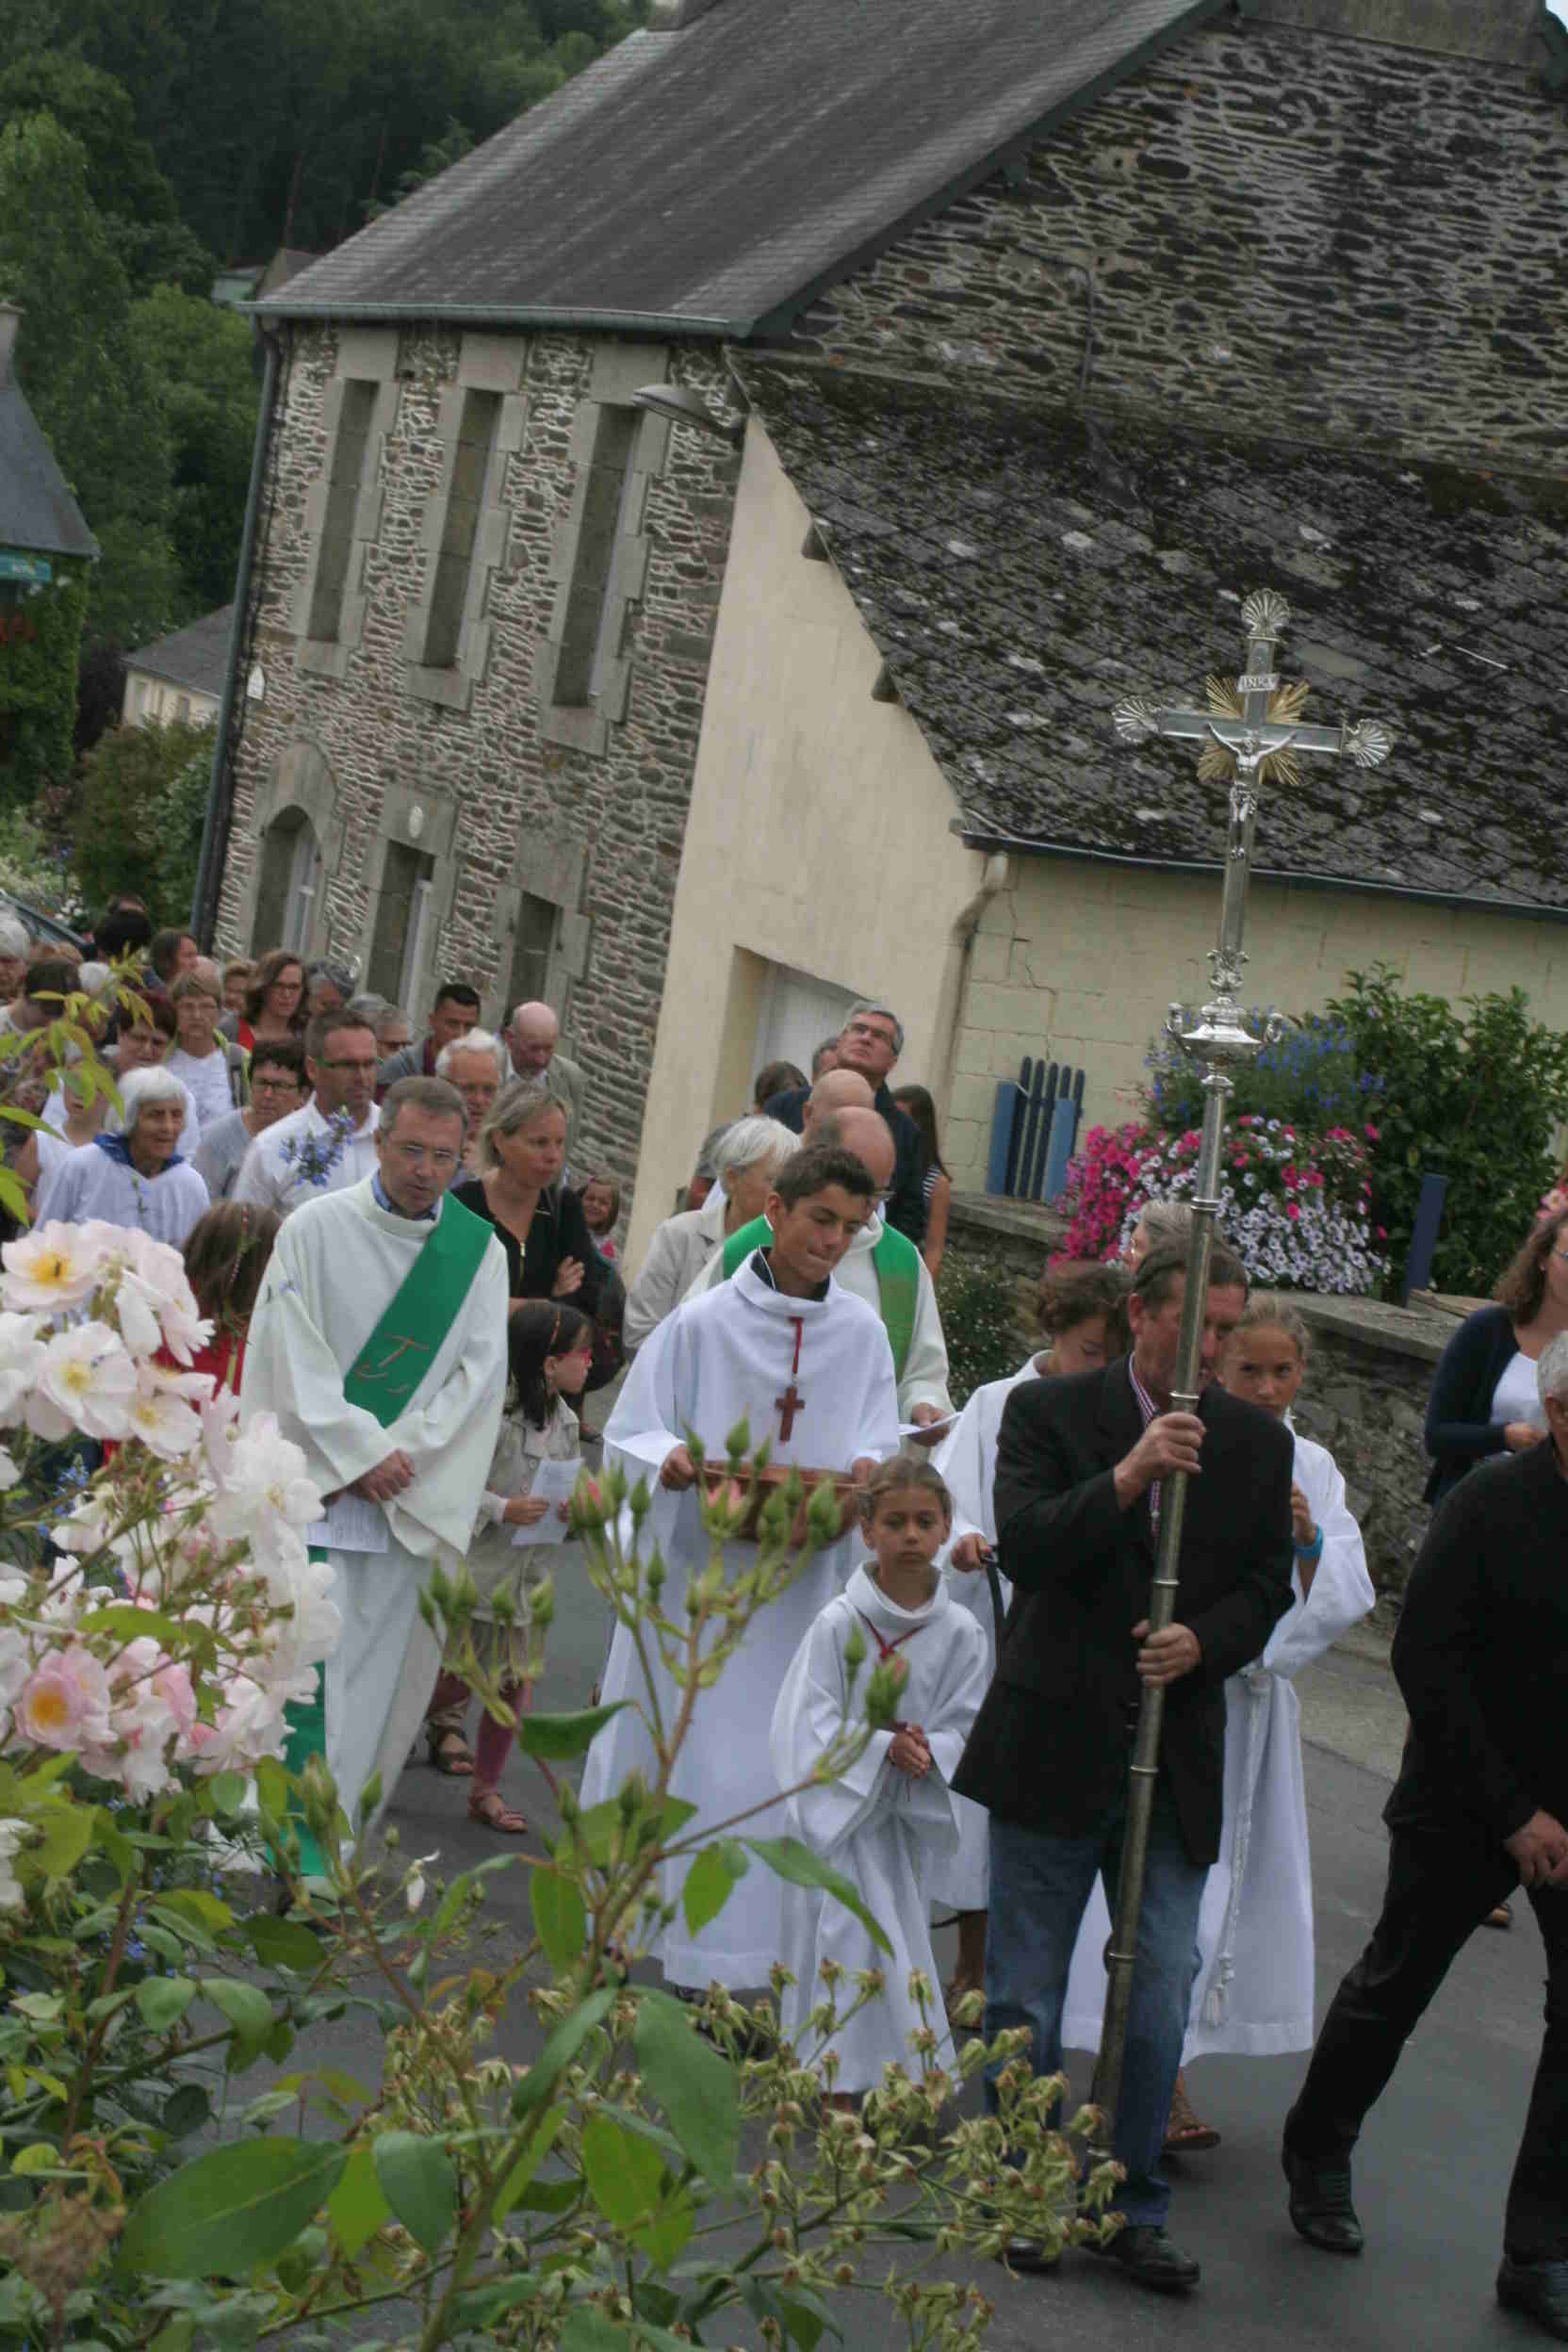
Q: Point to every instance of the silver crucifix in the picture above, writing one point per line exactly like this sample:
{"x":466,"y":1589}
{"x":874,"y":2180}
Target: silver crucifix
{"x":1218,"y":1039}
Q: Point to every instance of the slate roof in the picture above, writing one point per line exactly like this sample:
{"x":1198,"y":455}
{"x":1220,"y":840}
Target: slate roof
{"x":712,"y":179}
{"x":195,"y":657}
{"x":1021,"y":574}
{"x":38,"y":513}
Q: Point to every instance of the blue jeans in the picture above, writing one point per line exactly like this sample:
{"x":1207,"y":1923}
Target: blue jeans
{"x":1041,"y":1885}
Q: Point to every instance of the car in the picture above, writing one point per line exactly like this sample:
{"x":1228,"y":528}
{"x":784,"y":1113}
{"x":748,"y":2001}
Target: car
{"x":46,"y":929}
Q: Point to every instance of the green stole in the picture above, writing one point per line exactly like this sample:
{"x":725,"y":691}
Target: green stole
{"x":897,"y":1264}
{"x":380,"y":1380}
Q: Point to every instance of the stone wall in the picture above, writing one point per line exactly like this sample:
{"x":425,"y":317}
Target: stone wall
{"x":1365,"y":1396}
{"x":505,"y":804}
{"x":1287,"y":231}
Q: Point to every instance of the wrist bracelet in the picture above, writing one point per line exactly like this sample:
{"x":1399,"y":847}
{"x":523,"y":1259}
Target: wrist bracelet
{"x":1313,"y":1550}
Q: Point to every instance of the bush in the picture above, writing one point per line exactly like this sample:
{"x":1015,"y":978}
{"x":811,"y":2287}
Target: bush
{"x":1313,"y":1078}
{"x":1475,"y":1096}
{"x":138,"y":821}
{"x":979,"y":1311}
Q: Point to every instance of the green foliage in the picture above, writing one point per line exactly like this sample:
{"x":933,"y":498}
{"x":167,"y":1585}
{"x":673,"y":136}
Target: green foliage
{"x":78,"y":363}
{"x":39,"y":659}
{"x":1474,"y":1093}
{"x":200,"y":359}
{"x":128,"y":190}
{"x":33,"y":866}
{"x":979,"y":1312}
{"x":138,"y":825}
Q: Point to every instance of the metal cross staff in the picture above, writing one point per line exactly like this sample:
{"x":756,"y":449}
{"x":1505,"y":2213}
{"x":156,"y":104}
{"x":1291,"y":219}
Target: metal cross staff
{"x":1218,"y":1038}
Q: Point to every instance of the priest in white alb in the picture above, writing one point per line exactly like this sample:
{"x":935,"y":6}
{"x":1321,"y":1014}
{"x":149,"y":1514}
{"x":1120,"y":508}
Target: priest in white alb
{"x":379,"y":1341}
{"x":782,"y":1347}
{"x":880,"y":1266}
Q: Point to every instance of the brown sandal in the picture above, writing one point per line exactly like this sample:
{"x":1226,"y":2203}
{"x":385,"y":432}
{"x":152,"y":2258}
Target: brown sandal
{"x":1184,"y":2134}
{"x":490,"y":1809}
{"x":457,"y":1762}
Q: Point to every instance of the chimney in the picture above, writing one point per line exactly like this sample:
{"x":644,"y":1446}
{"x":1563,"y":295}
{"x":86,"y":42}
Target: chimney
{"x":10,"y":319}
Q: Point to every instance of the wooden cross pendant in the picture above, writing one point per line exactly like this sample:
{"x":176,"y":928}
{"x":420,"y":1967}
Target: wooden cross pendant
{"x":788,"y":1405}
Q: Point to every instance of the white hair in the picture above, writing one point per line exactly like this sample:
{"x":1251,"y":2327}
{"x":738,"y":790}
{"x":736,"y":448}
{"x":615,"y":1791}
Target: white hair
{"x":92,"y":979}
{"x":142,"y":1089}
{"x":750,"y":1141}
{"x":1551,"y":1373}
{"x":474,"y":1041}
{"x":15,"y":938}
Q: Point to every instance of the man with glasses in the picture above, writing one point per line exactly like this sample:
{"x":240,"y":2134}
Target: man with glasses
{"x":277,"y":1088}
{"x":870,"y":1044}
{"x":379,"y":1341}
{"x":330,"y":1143}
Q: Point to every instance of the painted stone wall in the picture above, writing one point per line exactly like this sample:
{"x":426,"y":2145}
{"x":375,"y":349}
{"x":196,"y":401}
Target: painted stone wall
{"x":504,"y":803}
{"x":1310,"y":235}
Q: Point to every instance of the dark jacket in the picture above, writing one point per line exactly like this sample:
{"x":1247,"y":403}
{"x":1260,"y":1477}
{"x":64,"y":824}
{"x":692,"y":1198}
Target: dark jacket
{"x":1482,"y":1654}
{"x":1050,"y":1747}
{"x":559,"y":1230}
{"x":906,"y":1206}
{"x":1460,"y":1431}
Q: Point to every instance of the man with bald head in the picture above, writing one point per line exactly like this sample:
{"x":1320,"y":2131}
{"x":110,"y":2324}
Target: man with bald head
{"x":835,"y":1090}
{"x":880,"y":1266}
{"x":531,"y":1041}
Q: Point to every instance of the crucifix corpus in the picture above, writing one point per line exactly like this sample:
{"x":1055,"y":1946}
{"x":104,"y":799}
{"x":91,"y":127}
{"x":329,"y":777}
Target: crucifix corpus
{"x":1251,"y":733}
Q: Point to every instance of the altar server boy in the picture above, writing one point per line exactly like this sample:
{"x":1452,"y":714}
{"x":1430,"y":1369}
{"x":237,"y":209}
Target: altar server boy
{"x":885,"y":1821}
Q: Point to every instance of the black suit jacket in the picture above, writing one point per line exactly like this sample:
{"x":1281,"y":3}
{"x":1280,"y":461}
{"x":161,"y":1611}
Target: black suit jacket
{"x":905,"y":1208}
{"x":1482,"y":1654}
{"x":1050,"y":1747}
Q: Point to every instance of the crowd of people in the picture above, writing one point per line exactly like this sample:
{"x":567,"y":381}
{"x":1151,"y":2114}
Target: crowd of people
{"x":397,"y":1265}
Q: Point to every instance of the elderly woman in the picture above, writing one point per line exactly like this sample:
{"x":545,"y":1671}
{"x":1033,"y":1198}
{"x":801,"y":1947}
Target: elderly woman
{"x":214,"y":1071}
{"x":478,"y":1065}
{"x":520,"y":1152}
{"x":137,"y":1177}
{"x":1162,"y":1225}
{"x":748,"y":1156}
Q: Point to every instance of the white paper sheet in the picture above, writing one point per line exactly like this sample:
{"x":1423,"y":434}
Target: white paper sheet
{"x":553,"y":1482}
{"x":927,"y":1429}
{"x":351,"y":1524}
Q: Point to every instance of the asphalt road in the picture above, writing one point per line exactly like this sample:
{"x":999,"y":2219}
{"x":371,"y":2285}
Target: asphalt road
{"x":1435,"y":2163}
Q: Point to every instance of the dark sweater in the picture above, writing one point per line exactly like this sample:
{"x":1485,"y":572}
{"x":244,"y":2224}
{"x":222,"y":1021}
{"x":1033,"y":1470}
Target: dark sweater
{"x":559,"y":1230}
{"x":905,"y":1208}
{"x":1459,"y":1431}
{"x":1482,"y":1654}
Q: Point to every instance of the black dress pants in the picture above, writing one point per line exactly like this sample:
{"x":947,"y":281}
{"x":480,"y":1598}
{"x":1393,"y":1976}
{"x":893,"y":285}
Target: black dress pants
{"x":1441,"y":1886}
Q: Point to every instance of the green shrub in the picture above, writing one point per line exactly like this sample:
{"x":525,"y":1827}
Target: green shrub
{"x":139,"y":822}
{"x":979,"y":1311}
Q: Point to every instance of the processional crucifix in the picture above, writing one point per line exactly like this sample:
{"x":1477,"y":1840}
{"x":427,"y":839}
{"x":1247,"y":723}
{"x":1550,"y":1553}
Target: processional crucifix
{"x":1252,"y":734}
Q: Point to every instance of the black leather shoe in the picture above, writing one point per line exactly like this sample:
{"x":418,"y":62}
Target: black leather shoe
{"x":1028,"y":2256}
{"x":1153,"y":2259}
{"x":1539,"y":2290}
{"x":1320,"y":2204}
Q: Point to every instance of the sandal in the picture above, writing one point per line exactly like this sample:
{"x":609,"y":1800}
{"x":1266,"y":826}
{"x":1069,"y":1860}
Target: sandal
{"x":455,"y":1761}
{"x":1499,"y":1916}
{"x":1184,"y":2134}
{"x":490,"y":1809}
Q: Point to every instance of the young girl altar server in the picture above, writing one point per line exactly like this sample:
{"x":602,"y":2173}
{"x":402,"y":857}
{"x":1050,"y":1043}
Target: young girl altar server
{"x":1255,"y":1989}
{"x":884,"y":1821}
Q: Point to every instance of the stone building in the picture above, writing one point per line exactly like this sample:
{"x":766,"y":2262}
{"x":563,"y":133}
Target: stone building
{"x":1052,"y":331}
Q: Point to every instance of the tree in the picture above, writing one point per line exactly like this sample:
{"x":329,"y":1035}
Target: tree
{"x":138,"y":820}
{"x":80,"y":370}
{"x":201,"y":359}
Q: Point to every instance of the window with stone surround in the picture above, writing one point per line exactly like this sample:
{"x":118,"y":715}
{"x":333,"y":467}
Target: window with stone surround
{"x":401,"y":915}
{"x":290,"y":884}
{"x":533,"y":944}
{"x":476,"y":446}
{"x":465,"y":524}
{"x":581,"y":664}
{"x":344,"y":480}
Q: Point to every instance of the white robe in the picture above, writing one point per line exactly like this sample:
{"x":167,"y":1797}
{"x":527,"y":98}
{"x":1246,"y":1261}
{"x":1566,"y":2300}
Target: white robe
{"x":881,"y":1829}
{"x":966,"y":1458}
{"x":1253,"y":1993}
{"x":335,"y":1269}
{"x":272,"y":1176}
{"x":716,"y":1359}
{"x":925,"y":1377}
{"x":88,"y":1182}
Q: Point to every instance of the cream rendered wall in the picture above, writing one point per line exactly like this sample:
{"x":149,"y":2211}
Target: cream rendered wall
{"x":1080,"y":961}
{"x":150,"y":701}
{"x":818,"y":837}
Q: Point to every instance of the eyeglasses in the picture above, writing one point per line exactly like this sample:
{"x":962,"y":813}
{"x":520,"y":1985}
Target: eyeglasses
{"x":416,"y":1155}
{"x":274,"y":1086}
{"x":360,"y":1070}
{"x":864,"y":1029}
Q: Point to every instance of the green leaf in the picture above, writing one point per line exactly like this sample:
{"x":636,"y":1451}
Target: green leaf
{"x":594,"y":1833}
{"x":789,"y":1859}
{"x":227,"y":1791}
{"x":663,"y":2237}
{"x":109,"y":1840}
{"x":246,"y":2006}
{"x":186,"y":2112}
{"x":708,"y":1886}
{"x":558,"y":1737}
{"x":625,"y":2176}
{"x":233,"y":2208}
{"x":284,"y":1944}
{"x":692,"y":2083}
{"x":191,"y":1904}
{"x":67,"y":1835}
{"x":591,"y":2332}
{"x":511,"y":2190}
{"x":419,"y":2182}
{"x":481,"y":2304}
{"x":164,"y":2000}
{"x":559,"y":1915}
{"x":559,"y":2051}
{"x":358,"y":2206}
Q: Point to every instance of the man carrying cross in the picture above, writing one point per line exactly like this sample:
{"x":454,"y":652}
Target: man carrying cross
{"x":379,"y":1341}
{"x":809,"y":1367}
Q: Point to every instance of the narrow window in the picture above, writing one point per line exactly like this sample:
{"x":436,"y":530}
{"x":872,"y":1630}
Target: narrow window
{"x":598,"y":533}
{"x":405,"y":881}
{"x":476,"y":443}
{"x":532,"y":945}
{"x":337,"y":527}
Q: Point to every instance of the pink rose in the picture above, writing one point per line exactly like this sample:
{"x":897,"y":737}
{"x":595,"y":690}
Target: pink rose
{"x":65,"y":1704}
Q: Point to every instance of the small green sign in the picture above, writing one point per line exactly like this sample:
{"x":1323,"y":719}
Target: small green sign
{"x":36,"y":567}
